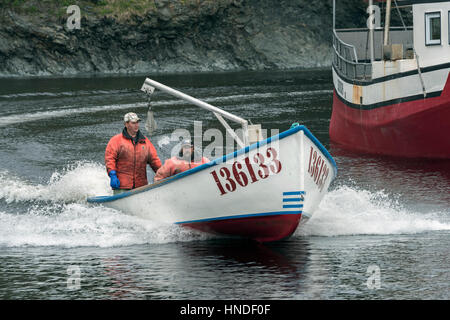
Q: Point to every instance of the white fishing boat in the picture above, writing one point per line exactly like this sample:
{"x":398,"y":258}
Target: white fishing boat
{"x":261,"y":191}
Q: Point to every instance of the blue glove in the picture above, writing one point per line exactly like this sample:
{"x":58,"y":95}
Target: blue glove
{"x":114,"y":183}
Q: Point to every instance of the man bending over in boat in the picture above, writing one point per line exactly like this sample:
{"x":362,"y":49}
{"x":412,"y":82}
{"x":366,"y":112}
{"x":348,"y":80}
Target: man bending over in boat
{"x":127,"y":155}
{"x":185,"y":160}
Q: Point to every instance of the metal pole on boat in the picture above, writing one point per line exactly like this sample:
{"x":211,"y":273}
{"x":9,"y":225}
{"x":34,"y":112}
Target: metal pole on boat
{"x":371,"y":27}
{"x":387,"y":22}
{"x":219,"y":113}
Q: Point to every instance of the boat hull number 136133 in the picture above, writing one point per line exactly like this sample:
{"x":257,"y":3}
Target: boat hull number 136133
{"x":317,"y":168}
{"x":244,"y":172}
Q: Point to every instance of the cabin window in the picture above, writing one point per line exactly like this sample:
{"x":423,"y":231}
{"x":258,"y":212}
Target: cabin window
{"x":432,"y":28}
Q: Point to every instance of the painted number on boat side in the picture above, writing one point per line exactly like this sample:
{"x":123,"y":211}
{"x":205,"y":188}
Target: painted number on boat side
{"x":317,"y":168}
{"x":227,"y":180}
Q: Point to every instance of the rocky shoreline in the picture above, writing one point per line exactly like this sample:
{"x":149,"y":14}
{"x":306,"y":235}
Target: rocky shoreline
{"x":172,"y":36}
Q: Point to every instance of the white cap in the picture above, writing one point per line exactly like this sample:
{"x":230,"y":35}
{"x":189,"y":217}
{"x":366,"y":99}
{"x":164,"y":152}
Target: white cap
{"x":131,"y":116}
{"x":186,"y":142}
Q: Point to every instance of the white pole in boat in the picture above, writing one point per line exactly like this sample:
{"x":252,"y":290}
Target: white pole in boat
{"x":387,"y":22}
{"x":217,"y":111}
{"x":371,"y":27}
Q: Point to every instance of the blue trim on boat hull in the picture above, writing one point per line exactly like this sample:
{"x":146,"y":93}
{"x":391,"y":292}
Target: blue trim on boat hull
{"x":293,"y":193}
{"x":287,"y":206}
{"x":293,"y":200}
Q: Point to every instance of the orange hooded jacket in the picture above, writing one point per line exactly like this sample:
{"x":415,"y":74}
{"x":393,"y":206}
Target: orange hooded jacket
{"x":129,"y":159}
{"x":175,"y":165}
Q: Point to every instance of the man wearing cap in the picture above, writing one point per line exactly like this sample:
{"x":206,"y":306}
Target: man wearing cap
{"x":127,"y":155}
{"x":185,"y":160}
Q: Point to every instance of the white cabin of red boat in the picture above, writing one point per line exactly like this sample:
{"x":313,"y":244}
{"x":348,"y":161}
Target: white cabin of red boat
{"x":425,"y":43}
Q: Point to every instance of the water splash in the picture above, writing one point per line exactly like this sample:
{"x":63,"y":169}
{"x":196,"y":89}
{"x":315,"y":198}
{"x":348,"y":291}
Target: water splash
{"x":56,"y":214}
{"x":351,"y":211}
{"x":74,"y":183}
{"x":79,"y":225}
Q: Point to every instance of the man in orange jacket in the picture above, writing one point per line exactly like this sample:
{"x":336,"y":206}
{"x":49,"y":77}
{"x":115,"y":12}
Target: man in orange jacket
{"x":184,"y":161}
{"x":127,"y":155}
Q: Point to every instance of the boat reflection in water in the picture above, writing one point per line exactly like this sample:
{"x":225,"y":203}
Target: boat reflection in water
{"x":229,"y":268}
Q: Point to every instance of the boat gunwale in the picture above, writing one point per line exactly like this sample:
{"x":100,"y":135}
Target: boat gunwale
{"x":217,"y":161}
{"x":390,"y":77}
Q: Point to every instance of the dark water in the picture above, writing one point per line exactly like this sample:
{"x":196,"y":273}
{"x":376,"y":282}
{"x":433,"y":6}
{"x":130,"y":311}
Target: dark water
{"x":382,"y":231}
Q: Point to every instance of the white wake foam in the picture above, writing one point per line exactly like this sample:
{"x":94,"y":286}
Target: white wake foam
{"x":75,"y":183}
{"x":56,"y":214}
{"x":350,"y":211}
{"x":75,"y":225}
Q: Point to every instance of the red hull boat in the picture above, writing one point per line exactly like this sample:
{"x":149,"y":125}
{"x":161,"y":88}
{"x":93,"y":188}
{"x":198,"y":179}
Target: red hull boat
{"x":394,"y":103}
